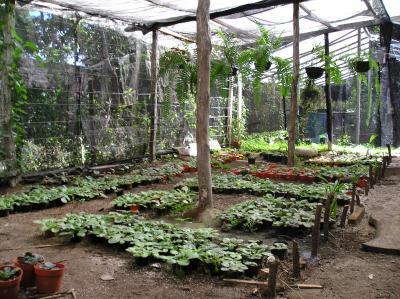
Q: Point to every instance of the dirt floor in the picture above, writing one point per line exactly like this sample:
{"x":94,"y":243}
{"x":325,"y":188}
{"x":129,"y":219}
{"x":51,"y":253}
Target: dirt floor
{"x":344,"y":270}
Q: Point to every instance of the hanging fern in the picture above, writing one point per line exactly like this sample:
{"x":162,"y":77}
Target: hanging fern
{"x":284,"y":75}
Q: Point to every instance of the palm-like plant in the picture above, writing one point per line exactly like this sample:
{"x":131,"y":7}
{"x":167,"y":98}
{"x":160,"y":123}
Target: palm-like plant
{"x":253,"y":62}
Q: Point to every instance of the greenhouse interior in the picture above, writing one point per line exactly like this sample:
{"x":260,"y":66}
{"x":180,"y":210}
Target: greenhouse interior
{"x":199,"y":149}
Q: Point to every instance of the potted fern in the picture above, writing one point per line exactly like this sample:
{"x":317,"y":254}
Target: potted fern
{"x":254,"y":62}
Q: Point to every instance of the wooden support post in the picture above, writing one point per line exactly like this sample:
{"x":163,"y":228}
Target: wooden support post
{"x":358,"y":201}
{"x":270,"y":291}
{"x":367,"y":188}
{"x":7,"y":139}
{"x":229,"y":112}
{"x":203,"y":103}
{"x":316,"y":231}
{"x":344,"y":215}
{"x":284,"y":113}
{"x":358,"y":102}
{"x":371,"y":176}
{"x":239,"y":106}
{"x":153,"y":96}
{"x":296,"y":260}
{"x":352,"y":203}
{"x":329,"y":126}
{"x":327,"y":214}
{"x":295,"y":82}
{"x":389,"y":153}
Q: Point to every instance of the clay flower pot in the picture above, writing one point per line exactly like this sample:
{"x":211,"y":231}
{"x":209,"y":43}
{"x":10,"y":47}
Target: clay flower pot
{"x":28,"y":277}
{"x":9,"y":289}
{"x":48,"y":281}
{"x":134,"y":209}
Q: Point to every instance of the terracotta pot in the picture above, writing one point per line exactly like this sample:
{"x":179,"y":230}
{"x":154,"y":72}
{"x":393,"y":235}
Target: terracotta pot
{"x":28,"y":276}
{"x":48,"y":281}
{"x":134,"y":209}
{"x":9,"y":289}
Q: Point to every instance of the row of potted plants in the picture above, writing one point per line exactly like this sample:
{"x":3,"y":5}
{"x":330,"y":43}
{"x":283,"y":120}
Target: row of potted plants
{"x":176,"y":201}
{"x":344,"y":159}
{"x":180,"y":247}
{"x":269,"y":212}
{"x":30,"y":270}
{"x":252,"y":185}
{"x":304,"y":174}
{"x":39,"y":197}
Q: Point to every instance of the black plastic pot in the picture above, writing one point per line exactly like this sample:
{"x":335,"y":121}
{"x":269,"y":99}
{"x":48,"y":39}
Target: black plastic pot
{"x":251,"y":160}
{"x":361,"y":66}
{"x":235,"y":71}
{"x":267,"y":65}
{"x":314,"y":72}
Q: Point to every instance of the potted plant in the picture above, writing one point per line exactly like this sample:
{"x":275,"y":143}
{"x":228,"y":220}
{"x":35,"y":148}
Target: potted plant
{"x":314,"y":71}
{"x":310,"y":91}
{"x":320,"y":58}
{"x":10,"y":279}
{"x":254,"y":62}
{"x":284,"y":80}
{"x":48,"y":277}
{"x":26,"y":263}
{"x":251,"y":159}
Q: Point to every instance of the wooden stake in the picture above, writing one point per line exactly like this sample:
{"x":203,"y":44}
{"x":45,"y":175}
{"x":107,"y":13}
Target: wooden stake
{"x":389,"y":153}
{"x":384,"y":161}
{"x":316,"y":231}
{"x":270,"y":291}
{"x":327,"y":214}
{"x":296,"y":260}
{"x":328,"y":100}
{"x":295,"y":82}
{"x":344,"y":215}
{"x":352,"y":203}
{"x":371,"y":176}
{"x":353,"y":192}
{"x":358,"y":201}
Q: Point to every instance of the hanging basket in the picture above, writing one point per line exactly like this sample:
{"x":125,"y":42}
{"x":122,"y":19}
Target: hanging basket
{"x":235,"y":71}
{"x":267,"y":65}
{"x":361,"y":66}
{"x":314,"y":72}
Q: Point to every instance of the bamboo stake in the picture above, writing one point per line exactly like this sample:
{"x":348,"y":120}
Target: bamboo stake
{"x":35,"y":246}
{"x":316,"y":231}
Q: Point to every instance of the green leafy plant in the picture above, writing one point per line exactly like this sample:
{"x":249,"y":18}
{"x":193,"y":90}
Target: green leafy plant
{"x":253,"y":61}
{"x":30,"y":258}
{"x":9,"y":273}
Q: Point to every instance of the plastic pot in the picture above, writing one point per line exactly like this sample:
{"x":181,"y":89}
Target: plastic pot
{"x":28,"y":276}
{"x":9,"y":289}
{"x":314,"y":72}
{"x":134,"y":209}
{"x":361,"y":66}
{"x":48,"y":281}
{"x":251,"y":160}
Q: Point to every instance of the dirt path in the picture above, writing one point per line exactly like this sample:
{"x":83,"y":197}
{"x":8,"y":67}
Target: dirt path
{"x":344,"y":269}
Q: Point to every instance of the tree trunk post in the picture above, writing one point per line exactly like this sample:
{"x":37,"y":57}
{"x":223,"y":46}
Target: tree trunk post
{"x":316,"y":231}
{"x":270,"y":291}
{"x":7,"y":139}
{"x":203,"y":103}
{"x":329,"y":126}
{"x":153,"y":96}
{"x":358,"y":102}
{"x":296,"y":260}
{"x":295,"y":81}
{"x":344,"y":216}
{"x":327,"y":214}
